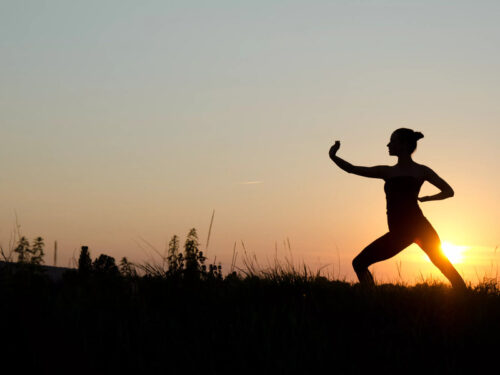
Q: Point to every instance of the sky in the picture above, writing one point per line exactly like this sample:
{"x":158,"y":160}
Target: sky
{"x":123,"y":123}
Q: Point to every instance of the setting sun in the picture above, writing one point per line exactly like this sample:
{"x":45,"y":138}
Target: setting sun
{"x":453,"y":252}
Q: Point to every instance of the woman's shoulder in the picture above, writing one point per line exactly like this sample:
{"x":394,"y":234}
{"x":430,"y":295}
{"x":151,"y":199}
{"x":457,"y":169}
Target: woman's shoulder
{"x":424,"y":170}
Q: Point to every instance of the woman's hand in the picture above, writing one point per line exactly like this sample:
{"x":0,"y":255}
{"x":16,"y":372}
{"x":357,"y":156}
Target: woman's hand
{"x":333,"y":149}
{"x":435,"y":197}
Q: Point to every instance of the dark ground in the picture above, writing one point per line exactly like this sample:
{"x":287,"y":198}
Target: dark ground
{"x":103,"y":323}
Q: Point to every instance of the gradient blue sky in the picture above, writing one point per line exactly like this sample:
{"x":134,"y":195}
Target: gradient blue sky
{"x":127,"y":120}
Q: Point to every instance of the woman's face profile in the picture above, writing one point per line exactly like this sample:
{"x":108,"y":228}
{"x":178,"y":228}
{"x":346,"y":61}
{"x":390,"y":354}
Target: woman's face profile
{"x":395,"y":145}
{"x":391,"y":144}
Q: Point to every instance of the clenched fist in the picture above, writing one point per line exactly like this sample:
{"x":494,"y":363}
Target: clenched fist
{"x":333,"y":149}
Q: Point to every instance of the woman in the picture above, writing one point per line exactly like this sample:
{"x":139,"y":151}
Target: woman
{"x":407,"y":224}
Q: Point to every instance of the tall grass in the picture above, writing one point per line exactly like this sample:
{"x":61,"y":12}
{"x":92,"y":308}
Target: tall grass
{"x":278,"y":318}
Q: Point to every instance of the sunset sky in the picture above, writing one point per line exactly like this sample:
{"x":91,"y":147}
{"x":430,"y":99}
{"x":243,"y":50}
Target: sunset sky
{"x":126,"y":122}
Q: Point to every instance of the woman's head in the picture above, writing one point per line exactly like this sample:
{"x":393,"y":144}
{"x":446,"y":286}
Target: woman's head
{"x":403,"y":140}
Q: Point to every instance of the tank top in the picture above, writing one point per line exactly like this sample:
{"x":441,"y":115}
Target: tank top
{"x":401,"y":194}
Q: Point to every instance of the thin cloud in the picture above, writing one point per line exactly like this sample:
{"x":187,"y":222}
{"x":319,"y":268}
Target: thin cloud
{"x":250,"y":182}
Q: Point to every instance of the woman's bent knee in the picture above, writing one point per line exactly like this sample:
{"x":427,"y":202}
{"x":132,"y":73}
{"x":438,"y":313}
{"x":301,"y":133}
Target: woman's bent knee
{"x":358,"y":264}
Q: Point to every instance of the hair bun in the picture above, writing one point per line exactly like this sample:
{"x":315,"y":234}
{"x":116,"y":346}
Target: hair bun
{"x":418,"y":135}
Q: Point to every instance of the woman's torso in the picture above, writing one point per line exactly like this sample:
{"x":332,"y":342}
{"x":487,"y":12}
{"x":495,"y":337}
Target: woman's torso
{"x":401,"y":192}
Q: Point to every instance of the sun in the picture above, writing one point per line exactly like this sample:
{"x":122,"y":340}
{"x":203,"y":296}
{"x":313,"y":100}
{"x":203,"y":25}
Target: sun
{"x":454,"y":253}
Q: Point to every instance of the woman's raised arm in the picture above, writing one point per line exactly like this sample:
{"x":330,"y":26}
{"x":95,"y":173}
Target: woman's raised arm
{"x":378,"y":171}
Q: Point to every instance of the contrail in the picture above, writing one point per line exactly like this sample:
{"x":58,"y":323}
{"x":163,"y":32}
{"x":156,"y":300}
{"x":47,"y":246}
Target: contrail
{"x":250,"y":182}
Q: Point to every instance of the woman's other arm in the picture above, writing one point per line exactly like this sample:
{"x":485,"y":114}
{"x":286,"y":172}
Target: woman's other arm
{"x":433,"y":178}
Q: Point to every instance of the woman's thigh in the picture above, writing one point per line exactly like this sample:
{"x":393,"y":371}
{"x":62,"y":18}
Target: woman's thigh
{"x":428,"y":239}
{"x":384,"y":247}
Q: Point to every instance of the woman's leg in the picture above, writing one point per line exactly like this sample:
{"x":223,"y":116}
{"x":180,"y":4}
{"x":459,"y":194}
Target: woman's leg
{"x":382,"y":248}
{"x":430,"y":242}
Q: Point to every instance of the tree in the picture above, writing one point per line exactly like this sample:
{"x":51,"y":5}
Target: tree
{"x":36,"y":252}
{"x":193,"y":258}
{"x":84,"y":261}
{"x":175,"y":259}
{"x":22,"y":249}
{"x":27,"y":254}
{"x":105,"y":264}
{"x":127,"y":268}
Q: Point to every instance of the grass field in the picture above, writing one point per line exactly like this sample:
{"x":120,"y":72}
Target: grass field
{"x":278,"y":321}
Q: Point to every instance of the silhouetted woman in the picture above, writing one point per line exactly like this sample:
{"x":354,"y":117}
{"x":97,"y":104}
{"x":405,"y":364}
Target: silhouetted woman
{"x":407,"y":224}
